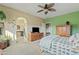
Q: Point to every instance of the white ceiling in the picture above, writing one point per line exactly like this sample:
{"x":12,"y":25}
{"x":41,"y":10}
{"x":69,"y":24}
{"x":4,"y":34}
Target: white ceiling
{"x":32,"y":8}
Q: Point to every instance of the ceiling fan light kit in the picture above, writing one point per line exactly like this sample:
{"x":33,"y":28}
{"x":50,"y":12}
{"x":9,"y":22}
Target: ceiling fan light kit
{"x":46,"y":8}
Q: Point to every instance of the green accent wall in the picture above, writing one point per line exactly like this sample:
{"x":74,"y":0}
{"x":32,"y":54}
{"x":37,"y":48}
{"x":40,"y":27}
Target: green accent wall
{"x":73,"y":18}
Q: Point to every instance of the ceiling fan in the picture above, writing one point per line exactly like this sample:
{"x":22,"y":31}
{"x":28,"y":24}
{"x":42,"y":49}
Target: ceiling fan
{"x":46,"y":8}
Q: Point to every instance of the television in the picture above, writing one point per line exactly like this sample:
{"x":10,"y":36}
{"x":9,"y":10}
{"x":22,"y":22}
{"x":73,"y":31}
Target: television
{"x":35,"y":29}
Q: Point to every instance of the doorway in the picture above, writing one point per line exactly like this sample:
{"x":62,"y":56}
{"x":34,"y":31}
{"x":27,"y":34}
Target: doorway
{"x":21,"y":29}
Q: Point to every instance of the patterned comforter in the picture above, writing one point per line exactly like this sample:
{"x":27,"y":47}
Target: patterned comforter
{"x":57,"y":45}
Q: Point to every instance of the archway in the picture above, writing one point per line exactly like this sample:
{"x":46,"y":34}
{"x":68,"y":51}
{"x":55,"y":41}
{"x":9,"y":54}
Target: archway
{"x":21,"y":29}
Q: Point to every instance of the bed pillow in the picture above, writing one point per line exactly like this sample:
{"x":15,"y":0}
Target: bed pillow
{"x":74,"y":40}
{"x":77,"y":40}
{"x":77,"y":36}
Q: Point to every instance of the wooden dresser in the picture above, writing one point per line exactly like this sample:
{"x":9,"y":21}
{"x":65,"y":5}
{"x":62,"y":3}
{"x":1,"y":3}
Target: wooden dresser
{"x":63,"y":30}
{"x":35,"y":36}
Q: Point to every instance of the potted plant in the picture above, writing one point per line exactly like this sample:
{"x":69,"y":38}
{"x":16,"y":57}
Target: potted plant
{"x":2,"y":15}
{"x":5,"y":39}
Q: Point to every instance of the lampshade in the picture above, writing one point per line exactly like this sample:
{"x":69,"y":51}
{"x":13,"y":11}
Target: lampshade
{"x":2,"y":15}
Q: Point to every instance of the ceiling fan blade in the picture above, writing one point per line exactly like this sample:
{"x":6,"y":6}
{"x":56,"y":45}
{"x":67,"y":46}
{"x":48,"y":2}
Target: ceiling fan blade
{"x":40,"y":11}
{"x":52,"y":9}
{"x":45,"y":6}
{"x":40,"y":6}
{"x":46,"y":12}
{"x":51,"y":5}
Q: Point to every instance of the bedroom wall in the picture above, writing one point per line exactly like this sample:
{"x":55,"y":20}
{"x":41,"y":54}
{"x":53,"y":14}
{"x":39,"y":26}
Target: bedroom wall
{"x":60,"y":20}
{"x":13,"y":14}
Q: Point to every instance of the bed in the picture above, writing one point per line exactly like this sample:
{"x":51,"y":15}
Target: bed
{"x":49,"y":45}
{"x":57,"y":45}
